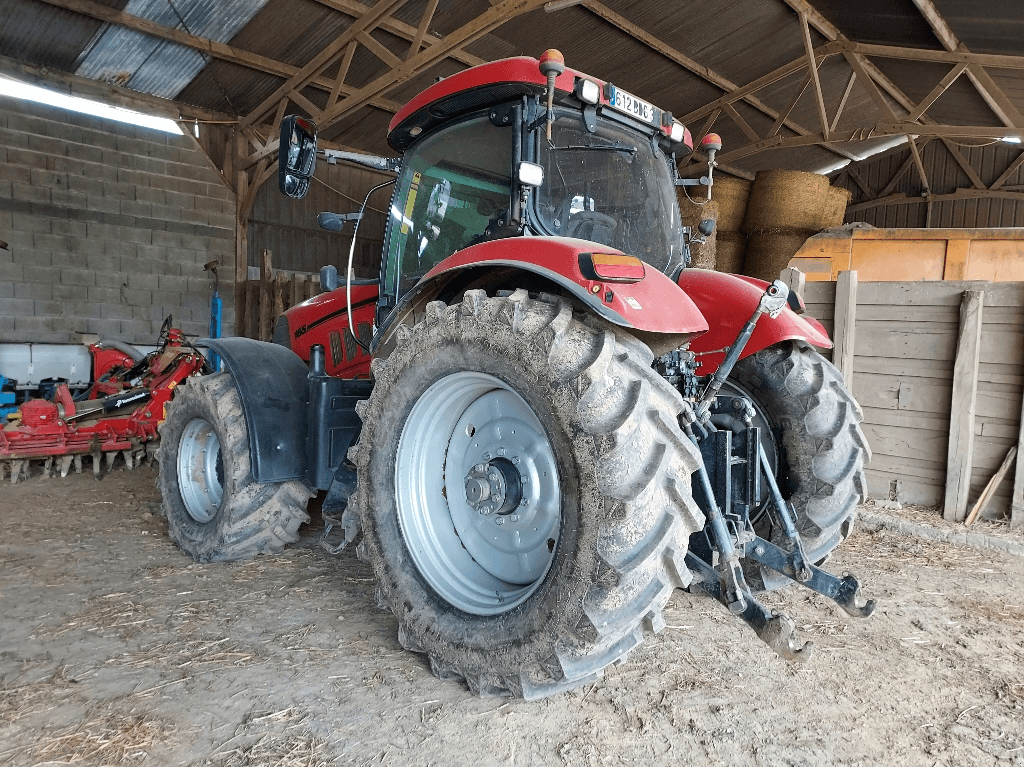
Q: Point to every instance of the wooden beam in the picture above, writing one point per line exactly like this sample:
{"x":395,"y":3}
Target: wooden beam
{"x":960,"y":454}
{"x":897,"y":175}
{"x":916,"y":154}
{"x":204,"y":45}
{"x":844,"y":99}
{"x":785,"y":113}
{"x":795,"y":279}
{"x":378,"y":49}
{"x":812,"y":67}
{"x":421,"y":30}
{"x":997,"y":60}
{"x":845,"y":327}
{"x":859,"y":181}
{"x":959,"y":194}
{"x":1008,"y":172}
{"x":401,"y":29}
{"x":983,"y":83}
{"x":764,"y":81}
{"x":482,"y":25}
{"x":339,"y":78}
{"x":869,"y":84}
{"x":972,"y":174}
{"x":832,"y":33}
{"x":744,"y":126}
{"x":938,"y":90}
{"x":325,"y":57}
{"x":705,"y":73}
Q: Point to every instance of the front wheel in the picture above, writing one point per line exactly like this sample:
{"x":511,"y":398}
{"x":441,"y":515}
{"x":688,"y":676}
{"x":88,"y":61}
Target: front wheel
{"x":216,"y":511}
{"x":524,"y":493}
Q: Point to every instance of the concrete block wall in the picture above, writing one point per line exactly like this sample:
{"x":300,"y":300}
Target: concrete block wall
{"x":108,"y":227}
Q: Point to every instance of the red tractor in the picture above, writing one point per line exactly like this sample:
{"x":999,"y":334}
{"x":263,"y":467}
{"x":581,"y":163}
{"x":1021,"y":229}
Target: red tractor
{"x":538,"y":422}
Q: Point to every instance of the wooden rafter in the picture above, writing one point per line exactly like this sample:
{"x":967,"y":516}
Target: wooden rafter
{"x":473,"y":30}
{"x":957,"y":155}
{"x":204,"y":45}
{"x":938,"y":90}
{"x":986,"y":87}
{"x":401,"y":29}
{"x":705,"y":73}
{"x":812,"y":67}
{"x":842,"y":101}
{"x":330,"y":54}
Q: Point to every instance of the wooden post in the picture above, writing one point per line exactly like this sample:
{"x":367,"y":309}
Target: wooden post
{"x":794,"y":279}
{"x":965,"y":399}
{"x":266,"y":294}
{"x":1017,"y":503}
{"x":280,"y":286}
{"x":252,"y":316}
{"x":845,"y":325}
{"x":295,"y":296}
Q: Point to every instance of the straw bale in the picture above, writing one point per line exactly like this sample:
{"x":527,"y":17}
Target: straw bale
{"x":769,"y":253}
{"x":730,"y":251}
{"x":786,"y":199}
{"x":834,"y":210}
{"x":731,"y":194}
{"x":702,"y":255}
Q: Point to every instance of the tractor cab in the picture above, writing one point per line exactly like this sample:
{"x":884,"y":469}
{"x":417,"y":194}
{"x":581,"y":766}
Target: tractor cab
{"x":522,"y":147}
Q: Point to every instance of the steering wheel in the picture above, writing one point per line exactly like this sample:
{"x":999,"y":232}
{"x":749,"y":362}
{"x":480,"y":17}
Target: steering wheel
{"x":578,"y":221}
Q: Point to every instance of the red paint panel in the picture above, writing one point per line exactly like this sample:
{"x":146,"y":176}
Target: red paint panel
{"x":323,"y":320}
{"x":521,"y":69}
{"x":654,"y":304}
{"x":728,"y":301}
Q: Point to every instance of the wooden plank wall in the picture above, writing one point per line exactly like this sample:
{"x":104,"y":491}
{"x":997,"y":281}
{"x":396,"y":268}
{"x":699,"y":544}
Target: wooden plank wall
{"x":904,"y":352}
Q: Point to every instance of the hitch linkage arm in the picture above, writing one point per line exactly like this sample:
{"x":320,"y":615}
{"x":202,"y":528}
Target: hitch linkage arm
{"x":774,"y":629}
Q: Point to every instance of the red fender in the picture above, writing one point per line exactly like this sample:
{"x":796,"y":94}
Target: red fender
{"x":653,"y":304}
{"x":727,"y":302}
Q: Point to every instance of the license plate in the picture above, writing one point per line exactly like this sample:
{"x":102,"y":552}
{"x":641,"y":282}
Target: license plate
{"x":631,"y":105}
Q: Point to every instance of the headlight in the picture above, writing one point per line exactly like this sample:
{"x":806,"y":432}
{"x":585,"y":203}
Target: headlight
{"x":588,"y":91}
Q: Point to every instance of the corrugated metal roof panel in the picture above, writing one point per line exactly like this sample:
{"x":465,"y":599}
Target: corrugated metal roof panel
{"x":144,"y":63}
{"x":43,"y":35}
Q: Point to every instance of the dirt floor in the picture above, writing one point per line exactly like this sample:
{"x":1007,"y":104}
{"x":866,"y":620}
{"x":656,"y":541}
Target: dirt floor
{"x":117,"y":649}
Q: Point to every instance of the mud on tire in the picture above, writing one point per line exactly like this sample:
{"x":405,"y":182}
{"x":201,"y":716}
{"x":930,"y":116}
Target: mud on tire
{"x":215,"y":510}
{"x":820,"y":446}
{"x":624,"y":510}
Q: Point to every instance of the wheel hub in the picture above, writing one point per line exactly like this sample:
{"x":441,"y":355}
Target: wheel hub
{"x":494,"y":487}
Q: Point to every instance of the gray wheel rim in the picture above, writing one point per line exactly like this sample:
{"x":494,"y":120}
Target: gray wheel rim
{"x":198,"y":477}
{"x":482,"y":563}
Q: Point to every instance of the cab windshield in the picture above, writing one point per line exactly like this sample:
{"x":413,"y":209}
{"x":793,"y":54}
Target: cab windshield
{"x":452,"y":185}
{"x":612,"y":187}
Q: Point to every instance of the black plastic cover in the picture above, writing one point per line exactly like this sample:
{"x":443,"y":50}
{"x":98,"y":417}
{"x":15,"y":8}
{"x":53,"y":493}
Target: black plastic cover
{"x":273,"y":386}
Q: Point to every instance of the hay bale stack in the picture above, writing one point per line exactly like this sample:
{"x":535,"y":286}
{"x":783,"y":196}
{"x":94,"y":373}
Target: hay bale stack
{"x":768,"y":253}
{"x":731,"y":194}
{"x":786,"y":199}
{"x":702,"y":256}
{"x":730,"y":251}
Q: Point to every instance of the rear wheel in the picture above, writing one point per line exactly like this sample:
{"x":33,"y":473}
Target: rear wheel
{"x":524,"y":493}
{"x":812,"y":437}
{"x":215,"y":510}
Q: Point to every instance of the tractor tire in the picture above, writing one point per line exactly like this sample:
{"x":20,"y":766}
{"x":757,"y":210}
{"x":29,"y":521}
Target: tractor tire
{"x":216,"y":511}
{"x":811,"y":432}
{"x":538,"y":599}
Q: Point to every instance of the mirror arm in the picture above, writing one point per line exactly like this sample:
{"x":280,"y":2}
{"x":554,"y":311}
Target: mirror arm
{"x":386,"y":164}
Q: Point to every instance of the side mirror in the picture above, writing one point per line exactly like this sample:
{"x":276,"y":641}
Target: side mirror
{"x":296,"y":156}
{"x":328,"y":278}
